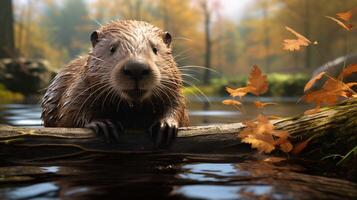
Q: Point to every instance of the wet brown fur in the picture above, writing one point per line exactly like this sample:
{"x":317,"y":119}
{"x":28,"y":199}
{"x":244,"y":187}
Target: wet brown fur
{"x":84,"y":91}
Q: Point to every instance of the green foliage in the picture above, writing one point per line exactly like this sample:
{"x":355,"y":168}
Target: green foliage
{"x":279,"y":85}
{"x":7,"y":96}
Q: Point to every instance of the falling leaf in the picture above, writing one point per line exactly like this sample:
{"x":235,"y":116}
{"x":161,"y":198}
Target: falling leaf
{"x":347,"y":27}
{"x":296,"y":44}
{"x":260,"y":104}
{"x":298,"y":35}
{"x":313,"y":80}
{"x":239,"y":92}
{"x":232,"y":102}
{"x":301,"y":146}
{"x":257,"y":81}
{"x":346,"y":16}
{"x":348,"y":71}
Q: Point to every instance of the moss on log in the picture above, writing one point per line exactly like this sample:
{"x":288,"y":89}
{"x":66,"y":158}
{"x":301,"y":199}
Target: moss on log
{"x":332,"y":131}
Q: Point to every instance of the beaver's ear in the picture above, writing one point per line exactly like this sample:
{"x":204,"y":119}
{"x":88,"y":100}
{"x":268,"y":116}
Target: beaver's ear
{"x":94,"y":38}
{"x":167,"y":38}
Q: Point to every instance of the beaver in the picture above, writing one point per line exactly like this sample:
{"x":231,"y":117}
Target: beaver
{"x":129,"y":79}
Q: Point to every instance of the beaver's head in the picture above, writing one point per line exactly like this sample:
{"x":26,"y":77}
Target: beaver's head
{"x":134,"y":58}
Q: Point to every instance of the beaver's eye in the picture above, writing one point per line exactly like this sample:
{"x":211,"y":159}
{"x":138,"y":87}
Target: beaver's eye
{"x":113,"y":49}
{"x":154,"y":49}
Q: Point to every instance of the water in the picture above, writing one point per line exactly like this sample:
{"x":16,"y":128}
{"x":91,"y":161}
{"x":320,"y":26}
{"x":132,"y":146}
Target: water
{"x":158,"y":176}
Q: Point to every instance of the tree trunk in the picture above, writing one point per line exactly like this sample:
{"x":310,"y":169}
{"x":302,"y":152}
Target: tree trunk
{"x":331,"y":131}
{"x":7,"y":44}
{"x":208,"y":42}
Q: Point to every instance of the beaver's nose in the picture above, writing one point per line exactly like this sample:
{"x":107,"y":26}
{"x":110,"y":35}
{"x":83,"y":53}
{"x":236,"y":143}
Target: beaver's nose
{"x":136,"y":70}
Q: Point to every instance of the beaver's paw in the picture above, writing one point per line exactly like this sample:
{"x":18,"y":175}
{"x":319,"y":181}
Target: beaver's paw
{"x":164,"y":132}
{"x":108,"y":129}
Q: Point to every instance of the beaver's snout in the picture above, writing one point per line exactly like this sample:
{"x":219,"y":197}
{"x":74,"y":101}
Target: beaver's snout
{"x":136,"y":70}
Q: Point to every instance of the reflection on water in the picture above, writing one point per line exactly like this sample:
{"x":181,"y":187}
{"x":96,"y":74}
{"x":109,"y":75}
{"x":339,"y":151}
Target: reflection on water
{"x":126,"y":176}
{"x":171,"y":176}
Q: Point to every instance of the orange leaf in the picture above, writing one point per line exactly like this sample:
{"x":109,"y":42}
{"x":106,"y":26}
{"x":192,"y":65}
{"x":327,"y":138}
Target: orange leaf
{"x":274,"y":117}
{"x":313,"y":80}
{"x":347,"y":27}
{"x":274,"y":159}
{"x":312,"y":111}
{"x":232,"y":102}
{"x":259,"y":142}
{"x":329,"y":93}
{"x":239,"y":92}
{"x":295,"y":44}
{"x":298,"y":35}
{"x":350,"y":69}
{"x":257,"y":81}
{"x":301,"y":146}
{"x":286,"y":147}
{"x":346,"y":16}
{"x":260,"y":104}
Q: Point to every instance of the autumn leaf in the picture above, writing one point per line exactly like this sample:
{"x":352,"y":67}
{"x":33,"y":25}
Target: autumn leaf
{"x":239,"y":92}
{"x":296,"y":44}
{"x":274,"y":159}
{"x":260,"y":104}
{"x":232,"y":102}
{"x":348,"y":71}
{"x":259,"y":142}
{"x":343,"y":25}
{"x":313,"y":80}
{"x":263,"y":136}
{"x":257,"y":81}
{"x":346,"y":16}
{"x":312,"y":111}
{"x":301,"y":146}
{"x":286,"y":147}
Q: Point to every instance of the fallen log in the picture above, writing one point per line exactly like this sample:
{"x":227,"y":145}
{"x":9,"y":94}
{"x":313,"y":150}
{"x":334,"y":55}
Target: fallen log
{"x":331,"y":131}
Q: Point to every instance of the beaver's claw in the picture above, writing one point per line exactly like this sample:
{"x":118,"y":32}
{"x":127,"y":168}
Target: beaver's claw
{"x":164,"y":133}
{"x":109,"y":129}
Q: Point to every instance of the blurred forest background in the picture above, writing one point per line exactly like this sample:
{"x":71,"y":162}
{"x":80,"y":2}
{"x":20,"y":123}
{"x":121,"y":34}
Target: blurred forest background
{"x":204,"y":35}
